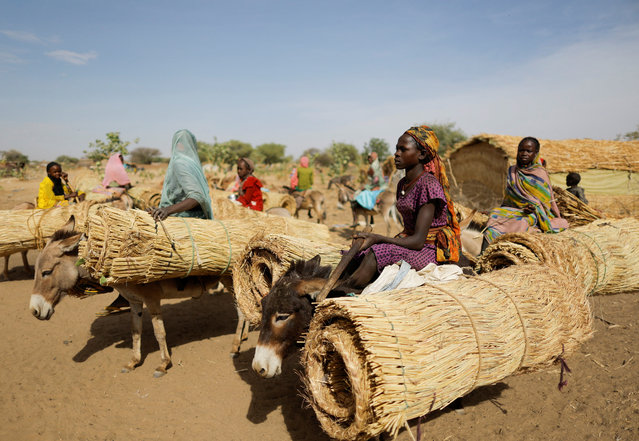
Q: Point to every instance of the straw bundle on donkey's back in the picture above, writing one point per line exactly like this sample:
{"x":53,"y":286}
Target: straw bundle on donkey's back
{"x":265,"y":259}
{"x":375,"y":361}
{"x":129,"y":246}
{"x":602,"y":255}
{"x":30,"y":229}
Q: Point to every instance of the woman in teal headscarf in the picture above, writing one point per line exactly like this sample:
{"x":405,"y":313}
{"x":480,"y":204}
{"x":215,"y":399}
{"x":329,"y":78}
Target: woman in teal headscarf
{"x":185,"y":192}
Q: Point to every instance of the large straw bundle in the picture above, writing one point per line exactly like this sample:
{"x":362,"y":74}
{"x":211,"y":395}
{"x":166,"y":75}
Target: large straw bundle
{"x":603,"y":255}
{"x":375,"y":361}
{"x":265,"y":259}
{"x":128,"y":246}
{"x":272,"y":199}
{"x":23,"y":230}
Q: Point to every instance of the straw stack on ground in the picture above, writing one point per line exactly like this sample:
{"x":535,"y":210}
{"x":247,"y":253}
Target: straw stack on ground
{"x":29,"y":229}
{"x":373,"y":362}
{"x":272,"y":199}
{"x":129,"y":246}
{"x":265,"y":259}
{"x":574,"y":210}
{"x":603,"y":255}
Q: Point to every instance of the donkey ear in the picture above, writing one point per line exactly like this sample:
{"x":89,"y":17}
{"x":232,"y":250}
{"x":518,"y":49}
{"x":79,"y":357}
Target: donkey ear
{"x":70,"y":244}
{"x":70,"y":225}
{"x":316,"y":260}
{"x":310,"y":287}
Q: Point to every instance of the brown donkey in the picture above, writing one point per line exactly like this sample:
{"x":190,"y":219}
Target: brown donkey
{"x":56,"y":275}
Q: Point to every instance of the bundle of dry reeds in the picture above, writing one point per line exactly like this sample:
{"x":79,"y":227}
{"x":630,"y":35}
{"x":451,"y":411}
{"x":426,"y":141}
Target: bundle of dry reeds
{"x":573,"y":210}
{"x":373,"y":362}
{"x":602,"y":255}
{"x":145,"y":197}
{"x":265,"y":259}
{"x":272,"y":199}
{"x":23,"y":230}
{"x":129,"y":246}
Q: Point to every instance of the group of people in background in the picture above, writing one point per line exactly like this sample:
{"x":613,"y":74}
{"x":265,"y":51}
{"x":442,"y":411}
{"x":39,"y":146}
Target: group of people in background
{"x":431,"y":231}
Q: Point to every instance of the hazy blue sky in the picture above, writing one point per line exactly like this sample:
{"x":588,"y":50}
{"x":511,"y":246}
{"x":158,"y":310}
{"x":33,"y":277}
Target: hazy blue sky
{"x":304,"y":74}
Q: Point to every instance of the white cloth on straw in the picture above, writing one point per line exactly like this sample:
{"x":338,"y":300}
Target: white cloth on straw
{"x":403,"y":276}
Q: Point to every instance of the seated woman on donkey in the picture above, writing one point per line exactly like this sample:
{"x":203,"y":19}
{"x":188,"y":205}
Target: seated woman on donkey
{"x":367,"y":197}
{"x":185,"y":192}
{"x":431,"y":232}
{"x":53,"y":192}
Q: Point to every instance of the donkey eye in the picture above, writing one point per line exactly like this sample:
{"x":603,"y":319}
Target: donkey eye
{"x":279,"y":317}
{"x":46,"y":273}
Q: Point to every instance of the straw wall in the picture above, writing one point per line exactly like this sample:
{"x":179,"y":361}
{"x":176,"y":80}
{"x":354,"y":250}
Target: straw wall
{"x":373,"y":362}
{"x":265,"y":259}
{"x":129,"y":246}
{"x":29,"y":229}
{"x":603,"y":255}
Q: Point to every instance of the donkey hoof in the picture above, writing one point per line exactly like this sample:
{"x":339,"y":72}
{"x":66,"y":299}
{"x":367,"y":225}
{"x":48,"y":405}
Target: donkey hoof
{"x":125,"y":370}
{"x":234,"y":354}
{"x":158,"y":373}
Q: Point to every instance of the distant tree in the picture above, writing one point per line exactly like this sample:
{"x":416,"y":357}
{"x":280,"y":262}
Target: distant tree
{"x":323,"y":159}
{"x":144,"y":155}
{"x":14,"y":156}
{"x":64,"y":159}
{"x":224,"y":153}
{"x":448,"y":135}
{"x":342,"y":155}
{"x":629,"y":136}
{"x":270,"y":153}
{"x":378,"y":146}
{"x":100,"y":150}
{"x":311,"y":153}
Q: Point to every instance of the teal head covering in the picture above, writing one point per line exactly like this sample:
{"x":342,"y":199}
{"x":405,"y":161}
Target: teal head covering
{"x":185,"y":178}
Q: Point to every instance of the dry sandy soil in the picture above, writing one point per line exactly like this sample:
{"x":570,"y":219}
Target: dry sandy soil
{"x":61,"y":379}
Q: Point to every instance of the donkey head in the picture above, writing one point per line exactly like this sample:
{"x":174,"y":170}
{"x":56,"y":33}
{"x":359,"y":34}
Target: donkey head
{"x":55,"y":271}
{"x":286,"y":312}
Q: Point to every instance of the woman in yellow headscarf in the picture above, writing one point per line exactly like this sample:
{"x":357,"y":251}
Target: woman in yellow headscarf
{"x":431,"y":232}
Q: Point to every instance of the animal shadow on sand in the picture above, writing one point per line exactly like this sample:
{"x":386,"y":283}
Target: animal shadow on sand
{"x":185,"y":322}
{"x":283,"y":391}
{"x":485,"y":393}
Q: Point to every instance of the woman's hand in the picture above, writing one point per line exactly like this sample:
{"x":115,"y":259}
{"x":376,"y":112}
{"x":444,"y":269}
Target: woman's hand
{"x":159,"y":214}
{"x":71,"y":195}
{"x":529,"y":209}
{"x":65,"y":176}
{"x":370,"y":239}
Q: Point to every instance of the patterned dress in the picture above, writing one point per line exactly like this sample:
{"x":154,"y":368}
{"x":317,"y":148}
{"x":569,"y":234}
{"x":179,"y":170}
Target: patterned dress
{"x":426,"y":189}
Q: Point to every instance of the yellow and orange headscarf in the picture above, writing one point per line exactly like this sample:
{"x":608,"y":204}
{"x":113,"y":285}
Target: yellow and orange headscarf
{"x":446,"y":238}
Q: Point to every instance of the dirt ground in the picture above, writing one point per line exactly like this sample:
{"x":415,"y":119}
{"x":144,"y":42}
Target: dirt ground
{"x":61,"y":378}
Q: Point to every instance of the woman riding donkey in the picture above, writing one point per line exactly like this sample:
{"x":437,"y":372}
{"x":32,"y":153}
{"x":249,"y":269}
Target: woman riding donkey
{"x":185,"y":192}
{"x":367,"y":197}
{"x":431,"y":232}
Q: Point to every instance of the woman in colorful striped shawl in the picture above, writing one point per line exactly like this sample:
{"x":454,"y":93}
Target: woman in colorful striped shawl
{"x":529,"y":204}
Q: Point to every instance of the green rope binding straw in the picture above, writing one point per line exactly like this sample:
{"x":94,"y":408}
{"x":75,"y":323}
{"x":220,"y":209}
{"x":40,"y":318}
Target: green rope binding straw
{"x":228,"y":239}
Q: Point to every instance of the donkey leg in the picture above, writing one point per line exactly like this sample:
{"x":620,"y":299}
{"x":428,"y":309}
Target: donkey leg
{"x":160,"y":335}
{"x":6,"y":267}
{"x":136,"y":334}
{"x":241,"y":333}
{"x":25,"y":261}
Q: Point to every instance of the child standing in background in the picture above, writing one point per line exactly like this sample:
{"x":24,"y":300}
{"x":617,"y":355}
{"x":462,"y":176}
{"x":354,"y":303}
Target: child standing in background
{"x":572,"y":181}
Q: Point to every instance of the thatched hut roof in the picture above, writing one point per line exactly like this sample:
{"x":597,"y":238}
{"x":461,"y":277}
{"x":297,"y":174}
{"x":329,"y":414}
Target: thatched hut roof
{"x":564,"y":155}
{"x":478,"y":165}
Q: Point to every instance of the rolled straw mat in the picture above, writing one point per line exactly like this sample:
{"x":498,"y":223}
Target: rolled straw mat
{"x":23,"y":230}
{"x":265,"y":259}
{"x":602,"y":255}
{"x":283,"y":200}
{"x":373,"y":362}
{"x":129,"y":246}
